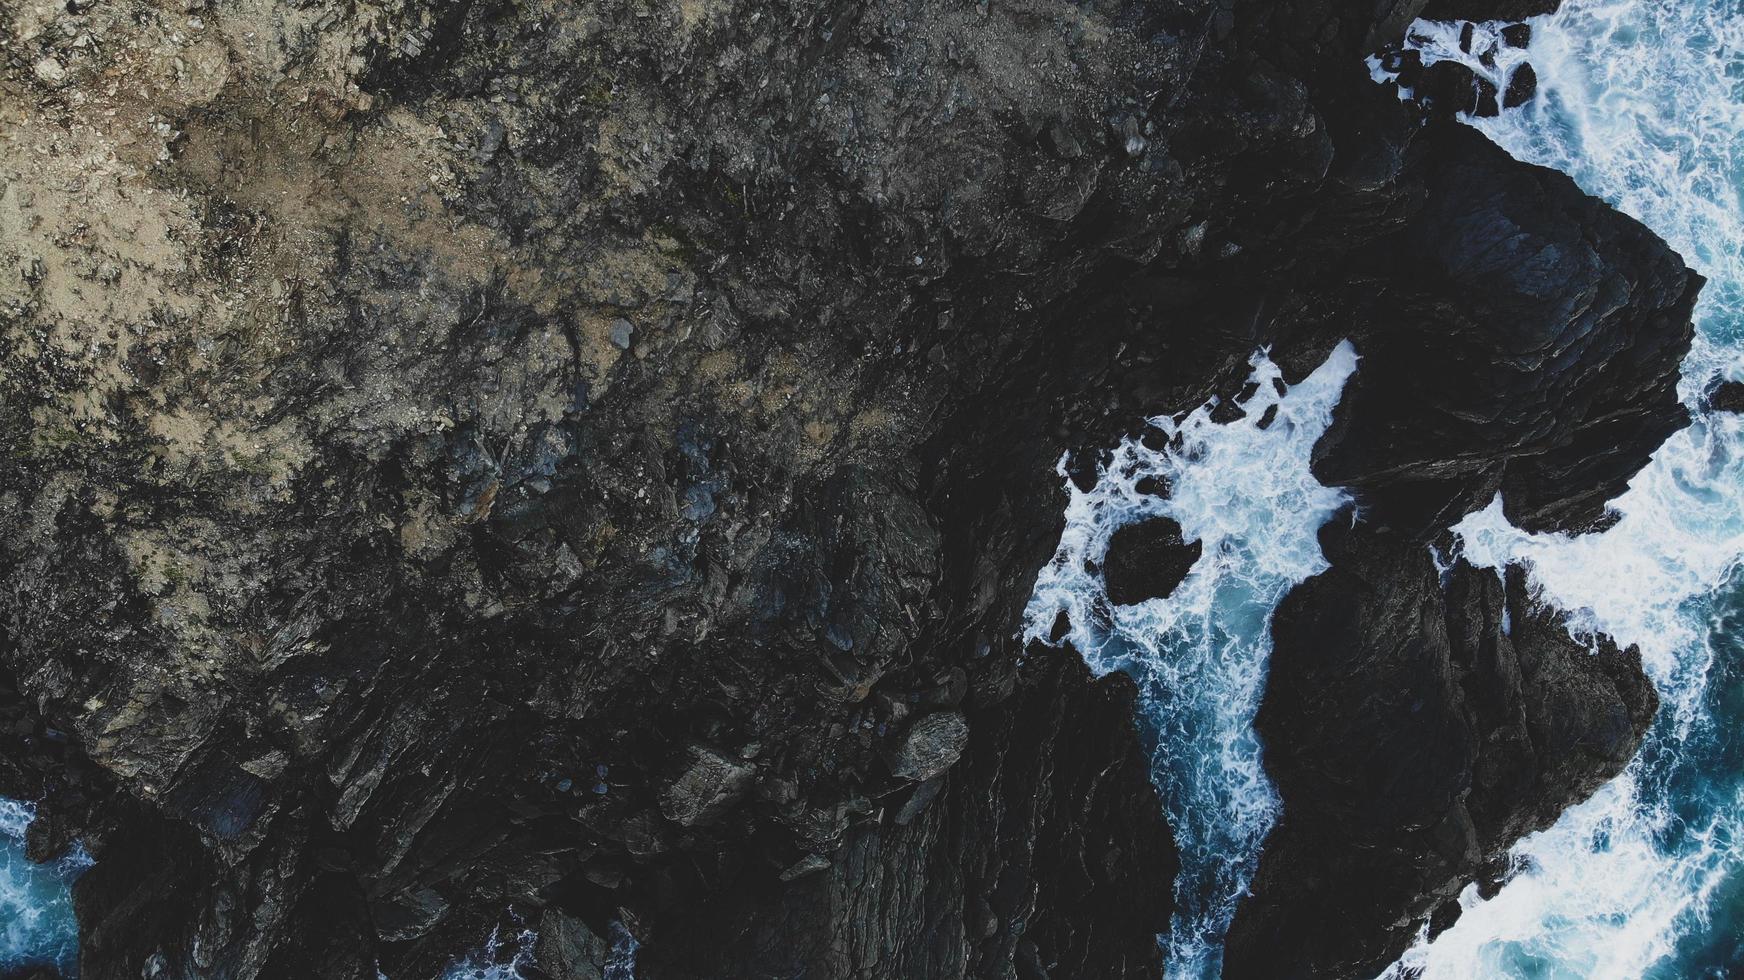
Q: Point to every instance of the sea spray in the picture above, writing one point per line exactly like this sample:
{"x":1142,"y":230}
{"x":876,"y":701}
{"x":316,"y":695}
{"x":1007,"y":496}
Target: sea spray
{"x":1245,"y":490}
{"x":1642,"y":103}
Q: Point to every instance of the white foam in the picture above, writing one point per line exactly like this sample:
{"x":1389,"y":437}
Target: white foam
{"x":498,"y":960}
{"x":1488,"y":55}
{"x":37,"y":926}
{"x":621,"y":960}
{"x":1248,"y":495}
{"x":1643,"y":104}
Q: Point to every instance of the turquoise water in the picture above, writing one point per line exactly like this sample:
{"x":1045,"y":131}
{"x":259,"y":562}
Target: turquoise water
{"x":36,"y":903}
{"x":1642,"y":103}
{"x":1246,"y":492}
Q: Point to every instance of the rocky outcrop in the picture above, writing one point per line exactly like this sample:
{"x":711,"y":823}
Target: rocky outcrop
{"x":1523,"y":341}
{"x":1414,"y":733}
{"x":1046,"y":853}
{"x":1727,"y":396}
{"x":553,"y":455}
{"x":1532,"y":348}
{"x":566,"y":947}
{"x":1147,"y":560}
{"x":932,"y":745}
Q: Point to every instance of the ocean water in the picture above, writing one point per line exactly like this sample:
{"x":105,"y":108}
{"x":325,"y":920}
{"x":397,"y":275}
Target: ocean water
{"x":511,"y":959}
{"x":37,"y":927}
{"x":1642,"y":103}
{"x":1245,"y":490}
{"x":497,"y":959}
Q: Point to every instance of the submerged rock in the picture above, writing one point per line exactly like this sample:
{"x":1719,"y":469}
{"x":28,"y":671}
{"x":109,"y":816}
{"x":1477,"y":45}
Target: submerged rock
{"x":1522,"y":86}
{"x":1727,"y":396}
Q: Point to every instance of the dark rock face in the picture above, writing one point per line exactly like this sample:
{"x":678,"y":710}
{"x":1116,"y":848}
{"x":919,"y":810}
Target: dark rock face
{"x":1522,"y":86}
{"x":1147,"y":560}
{"x":559,"y":455}
{"x":568,"y":948}
{"x":1044,"y":853}
{"x":1450,"y":89}
{"x":1555,"y":331}
{"x":1727,"y":396}
{"x":1411,"y":740}
{"x":1480,"y":721}
{"x":706,"y":789}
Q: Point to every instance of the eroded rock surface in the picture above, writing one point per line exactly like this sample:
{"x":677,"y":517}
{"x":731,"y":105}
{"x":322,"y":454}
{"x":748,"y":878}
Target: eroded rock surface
{"x":549,"y":455}
{"x":1480,"y":720}
{"x":1045,"y":853}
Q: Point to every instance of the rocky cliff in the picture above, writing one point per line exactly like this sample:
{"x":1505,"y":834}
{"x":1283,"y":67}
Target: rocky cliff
{"x":589,"y":459}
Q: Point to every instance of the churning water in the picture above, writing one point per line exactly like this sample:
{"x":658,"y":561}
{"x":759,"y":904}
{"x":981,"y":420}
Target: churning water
{"x":37,"y":927}
{"x":1243,"y":489}
{"x":1642,"y":103}
{"x":513,"y":959}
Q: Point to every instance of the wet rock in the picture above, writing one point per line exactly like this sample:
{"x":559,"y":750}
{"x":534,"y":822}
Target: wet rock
{"x":1727,"y":396}
{"x":1406,"y":65}
{"x":1148,"y":560}
{"x":1485,"y":105}
{"x":1061,"y":627}
{"x":708,"y":787}
{"x":1517,"y":35}
{"x":1480,"y":720}
{"x":567,"y":949}
{"x":1449,"y":88}
{"x":930,"y":746}
{"x":1563,"y":316}
{"x":1522,"y":87}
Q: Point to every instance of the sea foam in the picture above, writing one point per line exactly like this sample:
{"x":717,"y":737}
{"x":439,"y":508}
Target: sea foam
{"x":37,"y":926}
{"x":1243,"y":489}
